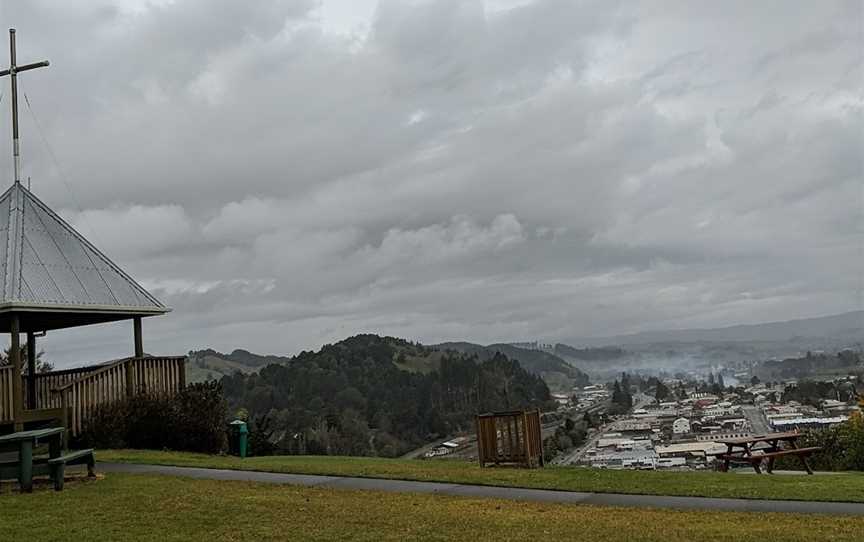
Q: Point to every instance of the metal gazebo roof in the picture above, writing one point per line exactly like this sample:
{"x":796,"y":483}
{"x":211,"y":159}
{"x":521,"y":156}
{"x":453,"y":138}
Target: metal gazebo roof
{"x":54,"y":278}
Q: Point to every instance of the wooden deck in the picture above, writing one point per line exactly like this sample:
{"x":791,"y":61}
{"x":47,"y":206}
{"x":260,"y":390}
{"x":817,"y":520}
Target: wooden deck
{"x":74,"y":394}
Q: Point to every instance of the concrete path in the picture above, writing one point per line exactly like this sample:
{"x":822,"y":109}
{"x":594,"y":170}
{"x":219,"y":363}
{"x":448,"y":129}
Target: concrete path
{"x":464,"y":490}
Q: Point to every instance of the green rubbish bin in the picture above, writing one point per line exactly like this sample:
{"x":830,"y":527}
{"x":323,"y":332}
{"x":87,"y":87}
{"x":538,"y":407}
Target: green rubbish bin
{"x":241,"y":434}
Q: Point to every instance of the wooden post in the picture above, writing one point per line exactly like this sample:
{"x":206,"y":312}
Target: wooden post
{"x":481,"y":441}
{"x":17,"y":388}
{"x":139,"y":353}
{"x":139,"y":342}
{"x":64,"y":402}
{"x":31,"y":371}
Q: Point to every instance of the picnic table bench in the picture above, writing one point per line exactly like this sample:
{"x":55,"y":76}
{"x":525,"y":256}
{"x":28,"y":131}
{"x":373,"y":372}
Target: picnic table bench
{"x":756,"y":449}
{"x":53,"y":465}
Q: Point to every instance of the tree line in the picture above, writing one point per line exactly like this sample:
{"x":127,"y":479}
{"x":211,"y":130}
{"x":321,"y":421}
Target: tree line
{"x":350,"y":398}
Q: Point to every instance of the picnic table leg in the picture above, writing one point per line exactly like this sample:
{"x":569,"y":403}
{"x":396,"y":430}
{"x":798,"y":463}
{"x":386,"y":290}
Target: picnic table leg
{"x":755,"y":463}
{"x":806,"y":465}
{"x":774,"y":448}
{"x":25,"y":466}
{"x":794,"y":446}
{"x":55,"y":446}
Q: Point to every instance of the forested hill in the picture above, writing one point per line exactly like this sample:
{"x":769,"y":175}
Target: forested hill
{"x":209,"y":364}
{"x":552,"y":368}
{"x":359,"y":397}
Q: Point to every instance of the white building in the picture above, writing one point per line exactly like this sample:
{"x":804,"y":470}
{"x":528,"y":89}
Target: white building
{"x":681,"y":426}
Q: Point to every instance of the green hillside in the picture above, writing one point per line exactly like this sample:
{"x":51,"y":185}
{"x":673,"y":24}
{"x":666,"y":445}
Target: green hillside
{"x":557,"y":373}
{"x":371,"y":395}
{"x":209,"y":364}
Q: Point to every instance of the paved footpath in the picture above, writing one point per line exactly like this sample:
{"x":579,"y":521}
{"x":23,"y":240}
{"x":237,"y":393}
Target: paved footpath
{"x":465,"y":490}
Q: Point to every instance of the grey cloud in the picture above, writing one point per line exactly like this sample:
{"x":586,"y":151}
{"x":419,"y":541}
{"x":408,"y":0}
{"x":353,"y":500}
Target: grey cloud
{"x":554,"y":170}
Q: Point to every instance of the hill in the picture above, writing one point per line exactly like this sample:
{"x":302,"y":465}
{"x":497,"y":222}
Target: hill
{"x":845,"y":329}
{"x":209,"y":364}
{"x":557,"y":372}
{"x":371,"y":395}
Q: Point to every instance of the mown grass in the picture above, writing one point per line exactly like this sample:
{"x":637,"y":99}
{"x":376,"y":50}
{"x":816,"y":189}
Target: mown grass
{"x":848,"y":487}
{"x":165,"y":509}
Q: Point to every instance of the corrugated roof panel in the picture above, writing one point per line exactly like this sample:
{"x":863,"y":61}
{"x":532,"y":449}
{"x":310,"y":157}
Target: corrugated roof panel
{"x":58,"y":266}
{"x":26,"y":292}
{"x":38,"y":277}
{"x":123,"y":290}
{"x":66,"y":262}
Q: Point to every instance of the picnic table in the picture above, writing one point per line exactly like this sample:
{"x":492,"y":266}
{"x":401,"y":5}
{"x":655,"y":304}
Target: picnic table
{"x":54,"y":465}
{"x":25,"y":442}
{"x":755,"y":449}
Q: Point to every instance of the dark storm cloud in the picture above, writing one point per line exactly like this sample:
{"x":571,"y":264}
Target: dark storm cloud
{"x":285,"y":173}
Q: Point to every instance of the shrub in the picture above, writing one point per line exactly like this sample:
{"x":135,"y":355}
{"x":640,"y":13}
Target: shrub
{"x":842,"y":448}
{"x":193,"y":420}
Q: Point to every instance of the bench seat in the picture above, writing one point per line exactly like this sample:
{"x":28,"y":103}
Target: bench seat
{"x":756,"y":459}
{"x":78,"y":457}
{"x":791,"y":451}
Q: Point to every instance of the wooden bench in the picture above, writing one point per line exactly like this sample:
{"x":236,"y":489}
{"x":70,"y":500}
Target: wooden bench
{"x":771,"y":454}
{"x":58,"y":465}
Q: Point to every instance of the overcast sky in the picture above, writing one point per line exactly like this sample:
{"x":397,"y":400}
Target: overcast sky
{"x":288,"y":173}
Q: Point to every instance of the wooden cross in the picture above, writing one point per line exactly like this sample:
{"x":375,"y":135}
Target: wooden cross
{"x":13,"y":71}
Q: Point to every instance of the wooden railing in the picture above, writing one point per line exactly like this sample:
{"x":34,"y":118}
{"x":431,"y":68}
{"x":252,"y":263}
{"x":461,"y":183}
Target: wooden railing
{"x":5,"y":394}
{"x":114,"y":381}
{"x":79,"y":392}
{"x":46,"y":383}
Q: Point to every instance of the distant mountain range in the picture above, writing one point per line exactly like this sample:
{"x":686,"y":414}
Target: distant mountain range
{"x":839,"y":328}
{"x":557,"y":372}
{"x":411,"y":357}
{"x":562,"y":366}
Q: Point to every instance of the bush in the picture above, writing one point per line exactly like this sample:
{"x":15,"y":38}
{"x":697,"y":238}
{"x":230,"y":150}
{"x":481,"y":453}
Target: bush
{"x":193,"y":420}
{"x":842,"y":448}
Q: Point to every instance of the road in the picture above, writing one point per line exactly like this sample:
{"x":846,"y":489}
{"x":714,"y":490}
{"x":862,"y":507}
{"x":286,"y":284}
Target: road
{"x":576,"y":455}
{"x":758,"y":422}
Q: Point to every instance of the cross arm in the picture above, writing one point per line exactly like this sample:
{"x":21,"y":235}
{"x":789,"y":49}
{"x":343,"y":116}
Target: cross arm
{"x":25,"y":67}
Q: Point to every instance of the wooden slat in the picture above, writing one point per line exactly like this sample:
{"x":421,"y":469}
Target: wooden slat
{"x":87,"y":388}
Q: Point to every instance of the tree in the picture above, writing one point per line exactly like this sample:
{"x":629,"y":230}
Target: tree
{"x":42,"y":366}
{"x":621,"y":397}
{"x":625,"y":383}
{"x":661,"y":392}
{"x":754,"y":381}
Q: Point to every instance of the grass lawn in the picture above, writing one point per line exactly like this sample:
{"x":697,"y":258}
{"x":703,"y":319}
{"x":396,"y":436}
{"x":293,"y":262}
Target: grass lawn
{"x":164,"y":509}
{"x":847,"y":487}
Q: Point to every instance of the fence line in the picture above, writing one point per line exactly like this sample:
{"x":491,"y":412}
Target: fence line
{"x":80,"y":392}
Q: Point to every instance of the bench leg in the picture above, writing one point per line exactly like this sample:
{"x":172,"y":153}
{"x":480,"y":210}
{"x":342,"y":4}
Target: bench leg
{"x":25,"y":468}
{"x":756,"y":466}
{"x":91,"y":467}
{"x":58,"y":474}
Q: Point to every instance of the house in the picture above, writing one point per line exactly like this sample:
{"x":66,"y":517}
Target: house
{"x":681,"y":426}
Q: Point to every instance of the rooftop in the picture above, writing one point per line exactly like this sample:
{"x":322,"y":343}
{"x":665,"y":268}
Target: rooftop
{"x":47,"y":267}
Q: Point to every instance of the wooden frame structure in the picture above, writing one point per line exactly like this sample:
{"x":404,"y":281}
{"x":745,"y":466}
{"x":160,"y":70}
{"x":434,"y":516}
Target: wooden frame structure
{"x":72,"y":396}
{"x":51,"y":278}
{"x":510,"y":438}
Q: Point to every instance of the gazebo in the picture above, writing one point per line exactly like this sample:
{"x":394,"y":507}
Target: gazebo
{"x":52,"y":278}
